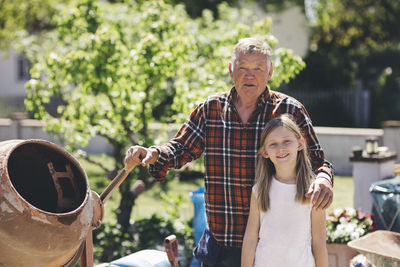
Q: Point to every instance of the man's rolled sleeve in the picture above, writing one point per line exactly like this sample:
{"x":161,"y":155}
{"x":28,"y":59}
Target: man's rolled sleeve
{"x":323,"y":173}
{"x":187,"y":145}
{"x":160,"y":168}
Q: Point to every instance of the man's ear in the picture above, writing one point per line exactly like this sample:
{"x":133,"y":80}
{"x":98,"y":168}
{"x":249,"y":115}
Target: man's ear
{"x":230,"y":69}
{"x":271,"y":70}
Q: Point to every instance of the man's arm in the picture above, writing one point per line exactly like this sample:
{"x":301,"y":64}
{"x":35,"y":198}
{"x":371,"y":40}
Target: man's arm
{"x":187,"y":145}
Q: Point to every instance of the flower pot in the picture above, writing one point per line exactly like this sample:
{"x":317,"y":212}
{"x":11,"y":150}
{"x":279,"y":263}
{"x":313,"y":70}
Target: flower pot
{"x":340,"y":255}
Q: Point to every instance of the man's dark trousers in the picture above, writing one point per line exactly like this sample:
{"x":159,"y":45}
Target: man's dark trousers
{"x":228,"y":257}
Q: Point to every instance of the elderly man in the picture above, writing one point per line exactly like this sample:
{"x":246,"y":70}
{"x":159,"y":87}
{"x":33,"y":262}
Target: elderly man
{"x":226,"y":127}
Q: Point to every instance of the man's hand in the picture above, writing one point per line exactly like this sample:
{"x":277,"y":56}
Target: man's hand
{"x":321,"y":193}
{"x":137,"y":155}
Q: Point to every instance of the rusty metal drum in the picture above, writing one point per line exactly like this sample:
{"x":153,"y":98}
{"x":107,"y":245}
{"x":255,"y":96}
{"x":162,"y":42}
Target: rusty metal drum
{"x":46,"y":205}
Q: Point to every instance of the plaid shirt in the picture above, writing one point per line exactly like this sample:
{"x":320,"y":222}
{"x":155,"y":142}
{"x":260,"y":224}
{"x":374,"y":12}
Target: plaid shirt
{"x":230,"y":151}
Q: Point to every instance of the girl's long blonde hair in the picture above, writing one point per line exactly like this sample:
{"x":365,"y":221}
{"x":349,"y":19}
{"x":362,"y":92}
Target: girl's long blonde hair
{"x":265,"y":169}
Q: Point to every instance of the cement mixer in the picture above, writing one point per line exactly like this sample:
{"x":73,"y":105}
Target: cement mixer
{"x":47,"y":210}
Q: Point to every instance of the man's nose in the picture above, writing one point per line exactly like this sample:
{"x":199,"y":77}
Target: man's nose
{"x":249,"y":73}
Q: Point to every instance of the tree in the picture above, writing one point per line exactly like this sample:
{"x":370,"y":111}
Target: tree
{"x":32,"y":17}
{"x":110,"y":66}
{"x":352,"y":41}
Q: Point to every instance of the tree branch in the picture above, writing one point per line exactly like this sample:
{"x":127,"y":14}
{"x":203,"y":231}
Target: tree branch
{"x":99,"y":164}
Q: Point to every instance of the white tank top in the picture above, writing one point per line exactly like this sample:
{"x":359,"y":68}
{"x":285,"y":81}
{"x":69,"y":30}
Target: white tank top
{"x":285,"y":230}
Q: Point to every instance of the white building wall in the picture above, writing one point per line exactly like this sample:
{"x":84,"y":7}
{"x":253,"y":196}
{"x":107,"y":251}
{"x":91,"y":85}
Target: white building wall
{"x":291,"y":29}
{"x":9,"y":83}
{"x":289,"y":26}
{"x":364,"y":174}
{"x":338,"y":142}
{"x":391,"y":137}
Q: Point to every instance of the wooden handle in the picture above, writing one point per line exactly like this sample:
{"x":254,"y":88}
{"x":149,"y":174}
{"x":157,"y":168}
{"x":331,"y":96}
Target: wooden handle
{"x":115,"y":183}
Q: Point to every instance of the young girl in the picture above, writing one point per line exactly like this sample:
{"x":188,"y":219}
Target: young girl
{"x":282,"y":228}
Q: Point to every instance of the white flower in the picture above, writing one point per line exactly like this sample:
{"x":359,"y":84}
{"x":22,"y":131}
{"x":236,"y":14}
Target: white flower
{"x":336,"y":234}
{"x":341,"y":229}
{"x":351,"y":212}
{"x":351,"y":227}
{"x":337,"y":212}
{"x":360,"y":231}
{"x":354,"y":235}
{"x":330,"y":218}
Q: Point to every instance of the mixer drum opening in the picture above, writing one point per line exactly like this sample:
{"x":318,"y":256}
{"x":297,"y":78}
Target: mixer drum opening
{"x":46,"y":178}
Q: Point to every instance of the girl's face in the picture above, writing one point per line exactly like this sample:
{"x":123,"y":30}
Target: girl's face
{"x":281,"y":147}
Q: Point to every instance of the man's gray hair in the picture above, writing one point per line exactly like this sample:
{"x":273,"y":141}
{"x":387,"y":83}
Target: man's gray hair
{"x":252,"y":45}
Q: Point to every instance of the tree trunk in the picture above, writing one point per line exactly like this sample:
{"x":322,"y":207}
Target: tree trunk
{"x":125,"y":207}
{"x":130,"y":193}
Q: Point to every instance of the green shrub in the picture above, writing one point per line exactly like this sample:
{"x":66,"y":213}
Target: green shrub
{"x":111,"y":241}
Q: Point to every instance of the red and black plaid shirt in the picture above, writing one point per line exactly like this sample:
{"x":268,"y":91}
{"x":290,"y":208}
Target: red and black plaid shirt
{"x":230,"y":151}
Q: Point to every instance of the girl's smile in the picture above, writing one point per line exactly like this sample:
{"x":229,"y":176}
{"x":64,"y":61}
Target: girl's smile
{"x":283,"y":156}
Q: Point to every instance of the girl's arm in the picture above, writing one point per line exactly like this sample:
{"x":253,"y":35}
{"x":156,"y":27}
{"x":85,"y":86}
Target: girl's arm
{"x":250,"y":238}
{"x":318,"y":233}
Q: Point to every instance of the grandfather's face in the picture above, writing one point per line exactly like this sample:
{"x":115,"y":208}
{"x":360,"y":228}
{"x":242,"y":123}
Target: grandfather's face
{"x":250,"y":74}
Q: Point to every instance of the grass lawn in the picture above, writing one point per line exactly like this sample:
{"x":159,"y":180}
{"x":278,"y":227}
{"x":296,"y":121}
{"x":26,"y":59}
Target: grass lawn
{"x":342,"y":193}
{"x":150,"y":201}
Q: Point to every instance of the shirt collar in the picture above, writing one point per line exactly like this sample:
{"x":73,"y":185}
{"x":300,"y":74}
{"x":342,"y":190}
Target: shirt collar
{"x":262,"y":99}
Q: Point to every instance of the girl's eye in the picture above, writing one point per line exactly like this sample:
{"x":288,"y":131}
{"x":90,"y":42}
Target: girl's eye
{"x":287,"y":141}
{"x":272,"y":145}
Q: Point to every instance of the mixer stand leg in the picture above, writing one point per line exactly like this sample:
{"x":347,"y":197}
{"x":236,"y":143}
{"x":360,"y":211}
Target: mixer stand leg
{"x":87,"y":253}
